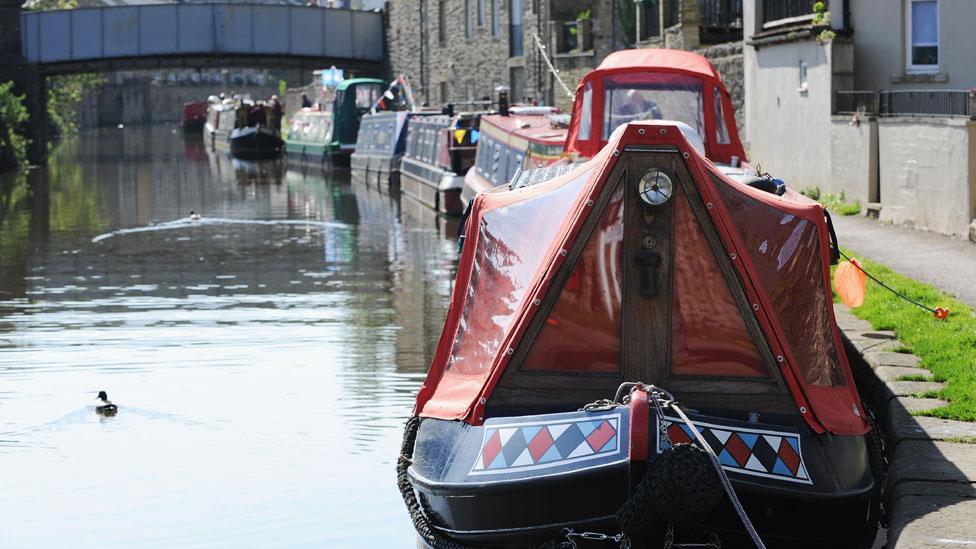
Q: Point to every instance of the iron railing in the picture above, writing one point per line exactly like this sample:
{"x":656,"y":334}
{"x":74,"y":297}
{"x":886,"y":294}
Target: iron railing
{"x":907,"y":102}
{"x":721,"y":14}
{"x":927,"y":103}
{"x":778,"y":10}
{"x":849,"y":102}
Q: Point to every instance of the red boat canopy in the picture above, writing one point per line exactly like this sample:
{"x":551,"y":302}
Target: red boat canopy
{"x":644,"y":84}
{"x":544,"y":289}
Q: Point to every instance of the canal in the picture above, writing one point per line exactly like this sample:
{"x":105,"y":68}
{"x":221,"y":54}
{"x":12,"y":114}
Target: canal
{"x":264,"y":357}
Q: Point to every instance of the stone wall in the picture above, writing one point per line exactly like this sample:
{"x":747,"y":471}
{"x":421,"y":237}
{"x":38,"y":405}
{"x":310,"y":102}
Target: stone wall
{"x":727,"y":59}
{"x":854,"y":159}
{"x":455,"y":69}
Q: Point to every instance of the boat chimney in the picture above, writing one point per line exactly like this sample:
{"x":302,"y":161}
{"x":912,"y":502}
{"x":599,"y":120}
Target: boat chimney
{"x":448,"y":109}
{"x":503,"y":104}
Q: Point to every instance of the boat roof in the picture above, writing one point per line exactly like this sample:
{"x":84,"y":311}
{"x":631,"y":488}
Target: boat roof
{"x":658,"y":59}
{"x":355,"y":81}
{"x":532,"y":127}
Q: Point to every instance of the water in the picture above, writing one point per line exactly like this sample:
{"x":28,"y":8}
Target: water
{"x":264,"y":358}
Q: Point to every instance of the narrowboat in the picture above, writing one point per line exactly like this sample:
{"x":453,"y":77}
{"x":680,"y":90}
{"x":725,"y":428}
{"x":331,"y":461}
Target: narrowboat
{"x":641,"y":349}
{"x":245,"y":128}
{"x":439,"y":151}
{"x":193,"y":116}
{"x":329,"y":132}
{"x":379,"y":147}
{"x":522,"y":138}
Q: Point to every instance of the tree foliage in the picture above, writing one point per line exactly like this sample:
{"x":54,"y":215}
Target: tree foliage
{"x":13,"y":116}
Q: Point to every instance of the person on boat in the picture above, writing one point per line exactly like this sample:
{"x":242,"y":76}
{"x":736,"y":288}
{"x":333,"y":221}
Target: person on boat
{"x":256,"y":116}
{"x":306,"y":102}
{"x":277,"y":112}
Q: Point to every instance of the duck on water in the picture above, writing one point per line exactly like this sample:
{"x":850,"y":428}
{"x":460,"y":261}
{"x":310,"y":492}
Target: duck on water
{"x":105,"y":406}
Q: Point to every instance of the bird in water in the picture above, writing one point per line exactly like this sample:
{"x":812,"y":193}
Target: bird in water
{"x":194,"y":216}
{"x":105,"y":407}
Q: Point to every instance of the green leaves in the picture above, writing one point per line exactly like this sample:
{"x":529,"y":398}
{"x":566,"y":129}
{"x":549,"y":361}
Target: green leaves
{"x":13,"y":116}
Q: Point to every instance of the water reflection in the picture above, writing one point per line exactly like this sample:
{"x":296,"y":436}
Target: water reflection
{"x":263,"y":364}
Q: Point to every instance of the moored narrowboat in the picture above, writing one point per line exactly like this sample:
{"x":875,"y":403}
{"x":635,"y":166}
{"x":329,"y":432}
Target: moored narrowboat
{"x":329,"y":131}
{"x":523,"y":138}
{"x":193,"y":116}
{"x":642,"y":348}
{"x":439,"y":151}
{"x":379,"y":147}
{"x":245,"y":128}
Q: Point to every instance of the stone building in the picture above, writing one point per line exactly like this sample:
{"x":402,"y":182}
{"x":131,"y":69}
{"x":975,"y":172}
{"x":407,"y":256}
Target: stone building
{"x":884,"y":93}
{"x":459,"y":51}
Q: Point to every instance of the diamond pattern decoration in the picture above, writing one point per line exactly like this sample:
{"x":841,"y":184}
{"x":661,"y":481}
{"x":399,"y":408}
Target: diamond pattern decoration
{"x":511,"y":447}
{"x":750,"y":451}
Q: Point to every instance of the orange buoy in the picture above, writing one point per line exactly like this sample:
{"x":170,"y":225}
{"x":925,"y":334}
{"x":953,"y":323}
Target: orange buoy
{"x":851,"y":283}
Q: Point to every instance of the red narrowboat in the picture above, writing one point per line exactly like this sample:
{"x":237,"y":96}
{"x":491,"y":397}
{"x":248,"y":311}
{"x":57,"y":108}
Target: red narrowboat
{"x":193,"y":116}
{"x":641,"y":348}
{"x":523,"y":139}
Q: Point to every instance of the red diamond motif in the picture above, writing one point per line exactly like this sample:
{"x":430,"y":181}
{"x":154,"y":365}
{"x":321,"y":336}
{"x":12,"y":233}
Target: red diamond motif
{"x":599,"y":437}
{"x":678,"y":435}
{"x":789,"y":456}
{"x":491,"y":449}
{"x":738,"y":449}
{"x":541,"y":442}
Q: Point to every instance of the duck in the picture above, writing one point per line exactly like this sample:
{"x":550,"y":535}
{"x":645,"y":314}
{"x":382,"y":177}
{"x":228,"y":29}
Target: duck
{"x":194,"y":216}
{"x":105,"y":408}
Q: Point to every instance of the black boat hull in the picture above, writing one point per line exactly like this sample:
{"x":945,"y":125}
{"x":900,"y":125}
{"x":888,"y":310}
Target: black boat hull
{"x":255,"y":142}
{"x":479,"y":493}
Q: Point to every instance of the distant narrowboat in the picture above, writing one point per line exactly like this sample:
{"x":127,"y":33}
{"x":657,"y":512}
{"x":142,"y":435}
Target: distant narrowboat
{"x":379,"y":147}
{"x":523,"y":139}
{"x":193,"y":116}
{"x":439,"y":152}
{"x":330,"y":132}
{"x":245,"y":128}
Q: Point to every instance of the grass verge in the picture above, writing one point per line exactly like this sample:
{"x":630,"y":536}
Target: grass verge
{"x":945,"y":347}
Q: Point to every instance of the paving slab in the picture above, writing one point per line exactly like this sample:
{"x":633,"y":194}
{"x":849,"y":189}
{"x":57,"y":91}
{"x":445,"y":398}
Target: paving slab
{"x":892,"y":373}
{"x":902,"y":426}
{"x":846,"y":320}
{"x":932,"y":461}
{"x":892,"y":389}
{"x":959,"y":490}
{"x":915,"y":404}
{"x":877,"y":359}
{"x":932,"y":521}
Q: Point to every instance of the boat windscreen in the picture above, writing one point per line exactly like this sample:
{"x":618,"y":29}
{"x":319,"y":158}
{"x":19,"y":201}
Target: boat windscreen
{"x":637,"y":96}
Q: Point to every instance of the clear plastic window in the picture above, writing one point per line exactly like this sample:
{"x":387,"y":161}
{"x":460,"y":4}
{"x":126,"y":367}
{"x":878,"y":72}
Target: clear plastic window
{"x":586,"y":115}
{"x":651,"y":96}
{"x":721,"y":130}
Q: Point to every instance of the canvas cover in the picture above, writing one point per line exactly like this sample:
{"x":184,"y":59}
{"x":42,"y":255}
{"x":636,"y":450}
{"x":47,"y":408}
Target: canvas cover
{"x":515,"y":243}
{"x":648,"y":83}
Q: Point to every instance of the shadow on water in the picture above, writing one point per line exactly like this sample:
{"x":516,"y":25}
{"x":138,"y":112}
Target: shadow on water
{"x":264,"y":357}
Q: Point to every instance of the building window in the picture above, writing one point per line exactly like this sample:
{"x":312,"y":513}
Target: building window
{"x":650,"y":14}
{"x":481,"y":14}
{"x":445,"y":99}
{"x":442,"y":21}
{"x":467,"y":19}
{"x":496,"y":18}
{"x":515,"y":39}
{"x":923,"y":35}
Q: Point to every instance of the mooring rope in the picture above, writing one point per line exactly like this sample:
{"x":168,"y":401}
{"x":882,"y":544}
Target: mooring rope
{"x":552,"y":69}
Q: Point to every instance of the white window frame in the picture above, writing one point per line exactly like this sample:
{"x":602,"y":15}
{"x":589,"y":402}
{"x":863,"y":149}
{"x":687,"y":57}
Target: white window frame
{"x":910,"y":67}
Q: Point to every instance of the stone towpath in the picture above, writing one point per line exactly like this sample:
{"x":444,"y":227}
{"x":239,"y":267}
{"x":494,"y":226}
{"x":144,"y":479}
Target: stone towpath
{"x":930,"y":493}
{"x":941,"y":261}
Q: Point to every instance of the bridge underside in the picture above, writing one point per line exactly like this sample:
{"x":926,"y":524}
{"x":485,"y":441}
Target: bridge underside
{"x":201,"y":35}
{"x":356,"y":67}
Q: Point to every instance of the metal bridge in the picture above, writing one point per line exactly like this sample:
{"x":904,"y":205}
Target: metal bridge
{"x":201,"y":35}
